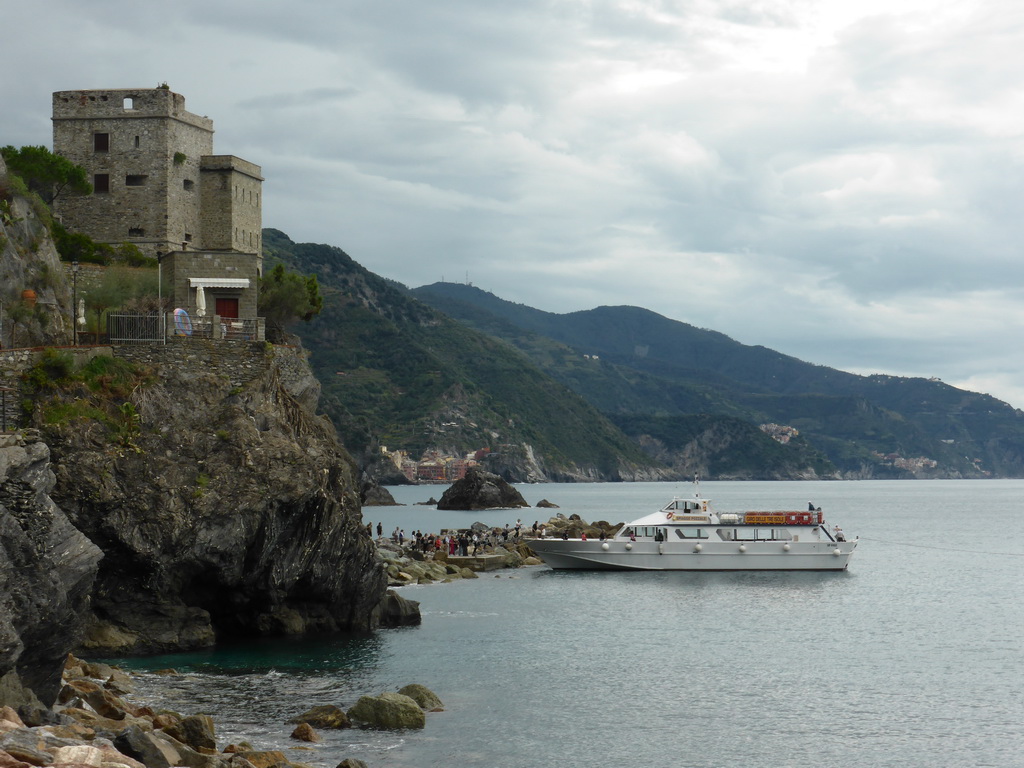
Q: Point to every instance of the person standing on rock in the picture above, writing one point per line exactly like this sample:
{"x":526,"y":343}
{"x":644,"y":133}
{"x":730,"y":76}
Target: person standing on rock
{"x":380,"y":529}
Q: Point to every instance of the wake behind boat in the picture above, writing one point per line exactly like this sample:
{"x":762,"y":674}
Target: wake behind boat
{"x":686,"y":535}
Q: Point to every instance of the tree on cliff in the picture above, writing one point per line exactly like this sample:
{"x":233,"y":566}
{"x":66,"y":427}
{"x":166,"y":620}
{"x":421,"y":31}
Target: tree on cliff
{"x":286,"y":297}
{"x":46,"y":173}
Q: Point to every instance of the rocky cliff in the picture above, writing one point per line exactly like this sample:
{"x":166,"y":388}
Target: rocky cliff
{"x":29,"y":262}
{"x":224,"y":507}
{"x":47,"y":568}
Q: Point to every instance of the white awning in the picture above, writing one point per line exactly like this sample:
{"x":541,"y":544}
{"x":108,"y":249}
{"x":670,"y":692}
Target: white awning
{"x":218,"y":282}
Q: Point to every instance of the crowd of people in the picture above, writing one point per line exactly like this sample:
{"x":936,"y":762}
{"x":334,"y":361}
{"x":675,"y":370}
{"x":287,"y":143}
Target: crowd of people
{"x":465,"y":543}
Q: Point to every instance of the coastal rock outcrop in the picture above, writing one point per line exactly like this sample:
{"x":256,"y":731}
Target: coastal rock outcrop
{"x":423,"y":696}
{"x":47,"y":569}
{"x":373,"y":495}
{"x":481,"y":490}
{"x":392,"y":711}
{"x":223,"y":505}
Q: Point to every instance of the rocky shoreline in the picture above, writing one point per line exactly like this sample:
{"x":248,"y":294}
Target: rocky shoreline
{"x":96,"y":724}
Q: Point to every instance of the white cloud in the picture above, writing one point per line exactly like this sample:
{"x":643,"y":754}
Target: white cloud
{"x":840,"y":181}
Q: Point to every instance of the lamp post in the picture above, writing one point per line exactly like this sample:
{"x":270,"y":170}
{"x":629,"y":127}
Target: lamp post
{"x":74,"y":300}
{"x":160,"y":296}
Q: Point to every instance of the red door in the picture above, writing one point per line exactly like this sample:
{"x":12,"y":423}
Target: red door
{"x":227,"y":308}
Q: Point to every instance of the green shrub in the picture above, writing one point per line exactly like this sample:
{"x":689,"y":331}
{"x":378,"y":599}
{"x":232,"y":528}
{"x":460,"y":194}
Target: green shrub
{"x":54,"y":368}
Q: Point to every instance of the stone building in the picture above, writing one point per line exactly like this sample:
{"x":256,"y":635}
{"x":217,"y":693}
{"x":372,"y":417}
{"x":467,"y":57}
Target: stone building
{"x":157,"y":182}
{"x":158,"y":185}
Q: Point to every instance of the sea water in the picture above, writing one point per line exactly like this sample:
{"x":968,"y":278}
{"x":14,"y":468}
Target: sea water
{"x":912,"y":657}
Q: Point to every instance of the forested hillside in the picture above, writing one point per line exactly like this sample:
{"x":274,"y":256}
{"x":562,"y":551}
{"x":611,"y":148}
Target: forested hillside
{"x":397,"y":373}
{"x":647,"y":371}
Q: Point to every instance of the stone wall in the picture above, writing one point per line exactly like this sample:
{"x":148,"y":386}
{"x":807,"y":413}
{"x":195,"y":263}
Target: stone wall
{"x":231,"y":207}
{"x":182,"y":265}
{"x":239,"y":361}
{"x":14,"y":363}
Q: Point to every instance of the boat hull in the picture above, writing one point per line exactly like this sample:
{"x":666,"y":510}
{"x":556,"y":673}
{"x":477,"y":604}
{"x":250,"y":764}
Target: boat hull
{"x":617,"y":555}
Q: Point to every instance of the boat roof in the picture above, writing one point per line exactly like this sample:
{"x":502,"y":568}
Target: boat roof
{"x":660,"y":518}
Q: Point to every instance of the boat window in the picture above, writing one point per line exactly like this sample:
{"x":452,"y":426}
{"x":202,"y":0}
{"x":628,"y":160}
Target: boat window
{"x":691,"y":533}
{"x":763,"y":534}
{"x":726,"y":534}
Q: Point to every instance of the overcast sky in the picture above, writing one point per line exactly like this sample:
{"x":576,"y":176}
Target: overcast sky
{"x":840,"y":181}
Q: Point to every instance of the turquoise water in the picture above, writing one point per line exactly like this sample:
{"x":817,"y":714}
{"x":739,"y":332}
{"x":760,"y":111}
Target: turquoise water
{"x":913,"y":657}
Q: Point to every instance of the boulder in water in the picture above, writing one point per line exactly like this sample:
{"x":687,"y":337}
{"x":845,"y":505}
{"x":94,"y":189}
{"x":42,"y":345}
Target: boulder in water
{"x":324,"y":716}
{"x":392,"y":711}
{"x":423,"y":696}
{"x":481,"y":490}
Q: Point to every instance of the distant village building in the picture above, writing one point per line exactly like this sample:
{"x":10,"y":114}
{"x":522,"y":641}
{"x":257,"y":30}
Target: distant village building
{"x":780,"y":433}
{"x":434,"y":467}
{"x":158,"y":185}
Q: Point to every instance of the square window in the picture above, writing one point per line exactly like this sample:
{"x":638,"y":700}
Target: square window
{"x":189,"y":184}
{"x":101,"y":142}
{"x":101,"y":183}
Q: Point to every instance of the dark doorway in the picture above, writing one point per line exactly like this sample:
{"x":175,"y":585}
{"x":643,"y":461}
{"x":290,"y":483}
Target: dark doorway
{"x":227,"y":308}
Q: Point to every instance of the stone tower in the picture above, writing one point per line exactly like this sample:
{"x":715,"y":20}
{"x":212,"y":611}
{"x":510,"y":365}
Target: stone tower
{"x":157,"y":182}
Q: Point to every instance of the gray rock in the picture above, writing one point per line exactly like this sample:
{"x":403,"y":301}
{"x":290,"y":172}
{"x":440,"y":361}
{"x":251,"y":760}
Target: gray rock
{"x":391,"y":711}
{"x":324,"y":716}
{"x":373,"y":495}
{"x":423,"y":696}
{"x":146,"y":748}
{"x":481,"y":490}
{"x":239,"y":499}
{"x":47,"y":569}
{"x":305,"y":732}
{"x":397,"y":611}
{"x":195,"y":731}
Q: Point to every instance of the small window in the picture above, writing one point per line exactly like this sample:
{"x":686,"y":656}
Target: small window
{"x":101,"y":142}
{"x":137,"y":142}
{"x":136,"y":232}
{"x":188,"y":237}
{"x":691,"y":533}
{"x":134,"y":181}
{"x":101,"y":183}
{"x":129,"y":103}
{"x":189,"y":184}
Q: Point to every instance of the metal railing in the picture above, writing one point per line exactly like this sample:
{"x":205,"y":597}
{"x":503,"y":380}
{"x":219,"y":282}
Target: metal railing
{"x":135,"y":327}
{"x":148,"y":328}
{"x":217,"y":327}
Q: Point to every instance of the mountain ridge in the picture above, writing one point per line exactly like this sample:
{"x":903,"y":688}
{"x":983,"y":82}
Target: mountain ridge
{"x":860,"y":422}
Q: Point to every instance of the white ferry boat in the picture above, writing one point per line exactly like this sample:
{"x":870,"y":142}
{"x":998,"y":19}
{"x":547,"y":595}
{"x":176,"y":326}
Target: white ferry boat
{"x":686,"y":535}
